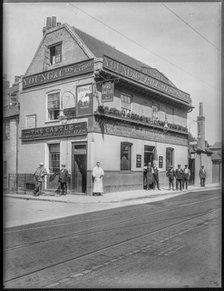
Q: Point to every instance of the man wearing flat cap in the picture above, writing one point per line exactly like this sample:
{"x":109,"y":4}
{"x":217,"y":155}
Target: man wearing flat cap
{"x":63,"y":179}
{"x":39,"y":175}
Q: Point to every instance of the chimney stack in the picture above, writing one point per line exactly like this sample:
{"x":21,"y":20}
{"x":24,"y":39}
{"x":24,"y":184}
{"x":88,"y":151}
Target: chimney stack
{"x":48,"y":22}
{"x":51,"y":22}
{"x":201,"y":128}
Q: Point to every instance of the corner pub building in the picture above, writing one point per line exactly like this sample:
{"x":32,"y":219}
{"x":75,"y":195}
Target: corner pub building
{"x":83,"y":101}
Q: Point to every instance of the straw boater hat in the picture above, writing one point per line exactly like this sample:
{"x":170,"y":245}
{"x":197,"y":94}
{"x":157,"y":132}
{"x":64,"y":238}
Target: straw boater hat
{"x":41,"y":164}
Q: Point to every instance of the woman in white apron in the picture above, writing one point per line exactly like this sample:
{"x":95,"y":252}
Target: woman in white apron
{"x":97,"y":174}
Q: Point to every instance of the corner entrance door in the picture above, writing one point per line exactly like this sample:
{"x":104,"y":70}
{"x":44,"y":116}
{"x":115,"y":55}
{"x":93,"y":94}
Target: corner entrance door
{"x":148,"y":154}
{"x":79,"y":167}
{"x":148,"y":158}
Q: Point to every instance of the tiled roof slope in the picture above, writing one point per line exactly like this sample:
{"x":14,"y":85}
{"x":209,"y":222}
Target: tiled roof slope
{"x":100,"y":48}
{"x":217,"y":145}
{"x":10,"y":112}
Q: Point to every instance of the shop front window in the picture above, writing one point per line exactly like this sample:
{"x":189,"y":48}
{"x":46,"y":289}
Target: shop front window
{"x":54,"y":158}
{"x":125,"y":156}
{"x":53,"y":105}
{"x":169,"y":157}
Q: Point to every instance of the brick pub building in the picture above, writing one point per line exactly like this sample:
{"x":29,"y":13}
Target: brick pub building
{"x":83,"y":101}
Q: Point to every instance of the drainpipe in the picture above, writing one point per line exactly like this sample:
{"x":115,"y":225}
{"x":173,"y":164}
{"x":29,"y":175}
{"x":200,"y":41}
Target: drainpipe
{"x":17,"y":152}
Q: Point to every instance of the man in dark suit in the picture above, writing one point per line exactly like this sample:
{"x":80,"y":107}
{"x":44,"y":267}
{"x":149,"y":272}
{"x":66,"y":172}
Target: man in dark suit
{"x":179,"y":177}
{"x":171,"y":175}
{"x":63,"y":179}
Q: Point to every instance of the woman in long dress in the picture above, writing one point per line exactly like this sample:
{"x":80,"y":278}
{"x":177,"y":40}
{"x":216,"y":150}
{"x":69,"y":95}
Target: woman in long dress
{"x":97,"y":174}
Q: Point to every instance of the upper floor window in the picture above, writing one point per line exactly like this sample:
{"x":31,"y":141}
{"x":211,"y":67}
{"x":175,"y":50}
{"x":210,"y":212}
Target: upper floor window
{"x":155,"y":110}
{"x":55,"y":54}
{"x":53,"y":105}
{"x":126,"y":102}
{"x":126,"y":156}
{"x":7,"y":130}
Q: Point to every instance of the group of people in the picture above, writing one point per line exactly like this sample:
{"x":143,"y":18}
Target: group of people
{"x":151,"y":177}
{"x":63,"y":178}
{"x":41,"y":172}
{"x":182,"y":177}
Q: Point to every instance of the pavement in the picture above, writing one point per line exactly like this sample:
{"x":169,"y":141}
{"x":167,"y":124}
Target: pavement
{"x":37,"y":208}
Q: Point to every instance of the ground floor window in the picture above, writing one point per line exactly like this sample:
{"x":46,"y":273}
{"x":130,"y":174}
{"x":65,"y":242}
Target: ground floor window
{"x":126,"y":156}
{"x":54,"y":158}
{"x":169,"y":157}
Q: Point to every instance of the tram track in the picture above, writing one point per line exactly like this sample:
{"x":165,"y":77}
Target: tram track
{"x":125,"y":241}
{"x":91,"y":230}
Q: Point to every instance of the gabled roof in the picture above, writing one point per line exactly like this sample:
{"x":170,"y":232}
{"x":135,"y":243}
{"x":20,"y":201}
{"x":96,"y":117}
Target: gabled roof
{"x":100,"y":48}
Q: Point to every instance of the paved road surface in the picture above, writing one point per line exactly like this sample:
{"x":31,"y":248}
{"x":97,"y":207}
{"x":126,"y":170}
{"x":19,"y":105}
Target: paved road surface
{"x":170,"y":243}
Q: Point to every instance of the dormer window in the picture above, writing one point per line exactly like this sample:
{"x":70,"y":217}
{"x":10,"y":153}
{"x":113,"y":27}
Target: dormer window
{"x":55,"y":54}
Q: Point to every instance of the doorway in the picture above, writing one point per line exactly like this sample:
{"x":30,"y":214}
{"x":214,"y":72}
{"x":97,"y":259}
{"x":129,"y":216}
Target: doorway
{"x":79,"y":167}
{"x":192,"y":169}
{"x":149,"y":152}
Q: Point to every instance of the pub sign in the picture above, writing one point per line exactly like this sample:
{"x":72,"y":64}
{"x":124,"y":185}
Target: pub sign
{"x":107,"y":92}
{"x":84,"y":100}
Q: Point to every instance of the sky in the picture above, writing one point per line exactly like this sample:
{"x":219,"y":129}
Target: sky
{"x":181,"y":39}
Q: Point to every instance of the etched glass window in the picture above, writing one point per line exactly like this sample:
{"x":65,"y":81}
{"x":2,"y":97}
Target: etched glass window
{"x":125,"y":156}
{"x":169,"y":158}
{"x":54,"y":158}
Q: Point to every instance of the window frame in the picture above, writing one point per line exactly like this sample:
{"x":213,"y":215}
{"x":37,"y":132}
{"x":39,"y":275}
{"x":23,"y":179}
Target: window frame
{"x":53,"y":57}
{"x":53,"y":168}
{"x":126,"y":108}
{"x":155,"y":118}
{"x":171,"y":150}
{"x":31,"y":115}
{"x":129,"y":153}
{"x":7,"y":130}
{"x":48,"y":119}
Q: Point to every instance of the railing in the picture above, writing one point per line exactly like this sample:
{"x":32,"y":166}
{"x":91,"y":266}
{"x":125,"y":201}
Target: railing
{"x":139,"y":119}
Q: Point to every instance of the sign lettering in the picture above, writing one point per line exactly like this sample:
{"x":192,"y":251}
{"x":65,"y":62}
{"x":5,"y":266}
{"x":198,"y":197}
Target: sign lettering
{"x":58,"y":74}
{"x":56,"y":131}
{"x":144,"y":79}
